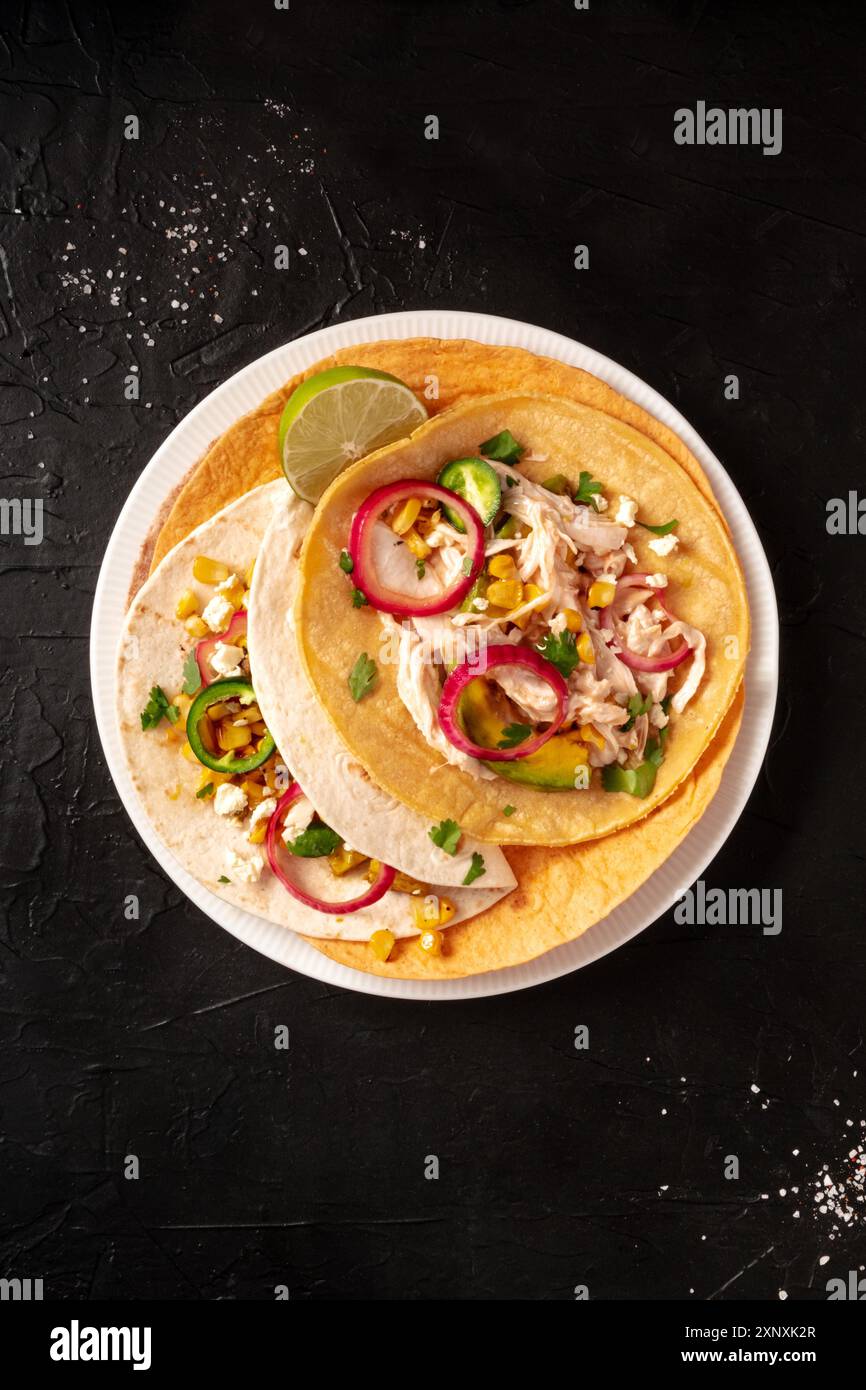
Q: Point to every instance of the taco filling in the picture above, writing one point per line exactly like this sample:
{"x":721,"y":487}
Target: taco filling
{"x":527,"y":642}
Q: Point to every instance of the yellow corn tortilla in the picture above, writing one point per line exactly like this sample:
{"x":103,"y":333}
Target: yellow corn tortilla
{"x":562,"y":891}
{"x":705,"y":589}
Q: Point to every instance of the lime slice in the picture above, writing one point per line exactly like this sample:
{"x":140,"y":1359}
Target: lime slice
{"x":338,"y":416}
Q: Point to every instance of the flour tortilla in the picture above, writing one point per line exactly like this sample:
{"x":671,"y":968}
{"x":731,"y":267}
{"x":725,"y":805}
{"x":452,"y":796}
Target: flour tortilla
{"x":152,"y":650}
{"x":706,"y":589}
{"x":345,"y":797}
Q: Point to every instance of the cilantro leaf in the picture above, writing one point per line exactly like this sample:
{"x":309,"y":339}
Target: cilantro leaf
{"x":314,"y":842}
{"x":420,"y":568}
{"x":347,"y":564}
{"x":508,"y":810}
{"x":560,"y":649}
{"x":158,"y":708}
{"x":475,"y":870}
{"x":636,"y":707}
{"x":446,"y":835}
{"x":222,"y":879}
{"x":664,"y":530}
{"x":191,"y":675}
{"x":513,"y":734}
{"x":359,"y":598}
{"x":362,"y":677}
{"x":588,"y":489}
{"x":503,"y":447}
{"x":206,"y":791}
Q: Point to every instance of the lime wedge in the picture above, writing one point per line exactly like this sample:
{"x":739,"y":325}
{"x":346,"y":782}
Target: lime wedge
{"x":338,"y":416}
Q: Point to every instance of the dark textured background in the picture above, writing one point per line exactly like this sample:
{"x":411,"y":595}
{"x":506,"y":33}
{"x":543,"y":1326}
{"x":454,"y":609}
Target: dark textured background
{"x":155,"y":1037}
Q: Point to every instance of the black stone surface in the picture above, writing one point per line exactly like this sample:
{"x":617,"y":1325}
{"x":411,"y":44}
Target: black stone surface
{"x":155,"y":1037}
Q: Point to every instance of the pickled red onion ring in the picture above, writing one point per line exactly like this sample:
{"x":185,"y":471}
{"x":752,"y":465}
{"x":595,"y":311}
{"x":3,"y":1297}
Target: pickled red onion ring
{"x":361,"y":540}
{"x":499,"y":654}
{"x":377,"y":889}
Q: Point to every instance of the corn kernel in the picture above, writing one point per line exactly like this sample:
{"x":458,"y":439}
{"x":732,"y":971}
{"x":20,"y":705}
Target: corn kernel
{"x":186,"y":752}
{"x":209,"y":571}
{"x":255,"y":792}
{"x":196,"y":626}
{"x":601,"y":594}
{"x":502,"y":566}
{"x":406,"y":516}
{"x":258,"y":833}
{"x":430,"y":942}
{"x":573,"y":620}
{"x":341,"y":860}
{"x":234,"y":595}
{"x":187,"y":604}
{"x":229,"y":737}
{"x":432,"y":912}
{"x":382,"y":944}
{"x":505,"y":593}
{"x":418,"y":546}
{"x":591,"y":735}
{"x":217,"y":711}
{"x":585,"y":649}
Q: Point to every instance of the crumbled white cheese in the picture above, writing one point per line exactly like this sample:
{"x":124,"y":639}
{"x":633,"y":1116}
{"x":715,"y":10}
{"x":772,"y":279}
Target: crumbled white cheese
{"x":241,"y":870}
{"x":263,"y":811}
{"x":626,"y":512}
{"x":218,"y":613}
{"x":229,"y":584}
{"x":600,"y":502}
{"x":607,"y":579}
{"x":664,"y":545}
{"x":558,"y":624}
{"x":480,"y":604}
{"x":630,"y":553}
{"x":656,"y":581}
{"x":230,"y":800}
{"x":297,"y":818}
{"x":658,"y":719}
{"x":226,"y":660}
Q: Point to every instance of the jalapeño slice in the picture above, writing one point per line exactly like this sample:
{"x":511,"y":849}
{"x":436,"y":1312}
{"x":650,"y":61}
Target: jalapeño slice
{"x":214,"y":694}
{"x":477,"y":483}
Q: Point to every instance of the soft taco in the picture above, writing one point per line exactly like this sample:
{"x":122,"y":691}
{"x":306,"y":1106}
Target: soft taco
{"x":550,"y":614}
{"x":220,"y":791}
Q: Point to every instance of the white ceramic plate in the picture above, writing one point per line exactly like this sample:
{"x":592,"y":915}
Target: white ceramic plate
{"x":186,"y":444}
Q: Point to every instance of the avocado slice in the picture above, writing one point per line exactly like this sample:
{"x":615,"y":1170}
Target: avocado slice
{"x":554,"y":766}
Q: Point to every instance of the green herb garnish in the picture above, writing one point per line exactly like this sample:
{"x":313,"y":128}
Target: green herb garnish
{"x":508,"y":810}
{"x":191,"y":675}
{"x":362,"y":677}
{"x":446,"y":835}
{"x":347,"y":564}
{"x":359,"y":598}
{"x":466,"y":566}
{"x":314,"y":842}
{"x":588,"y":489}
{"x":206,"y":791}
{"x":513,"y":734}
{"x":222,"y":879}
{"x":503,"y":447}
{"x":560,"y":649}
{"x":420,"y":568}
{"x":475,"y":870}
{"x":637,"y":706}
{"x":158,"y":708}
{"x":664,"y":530}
